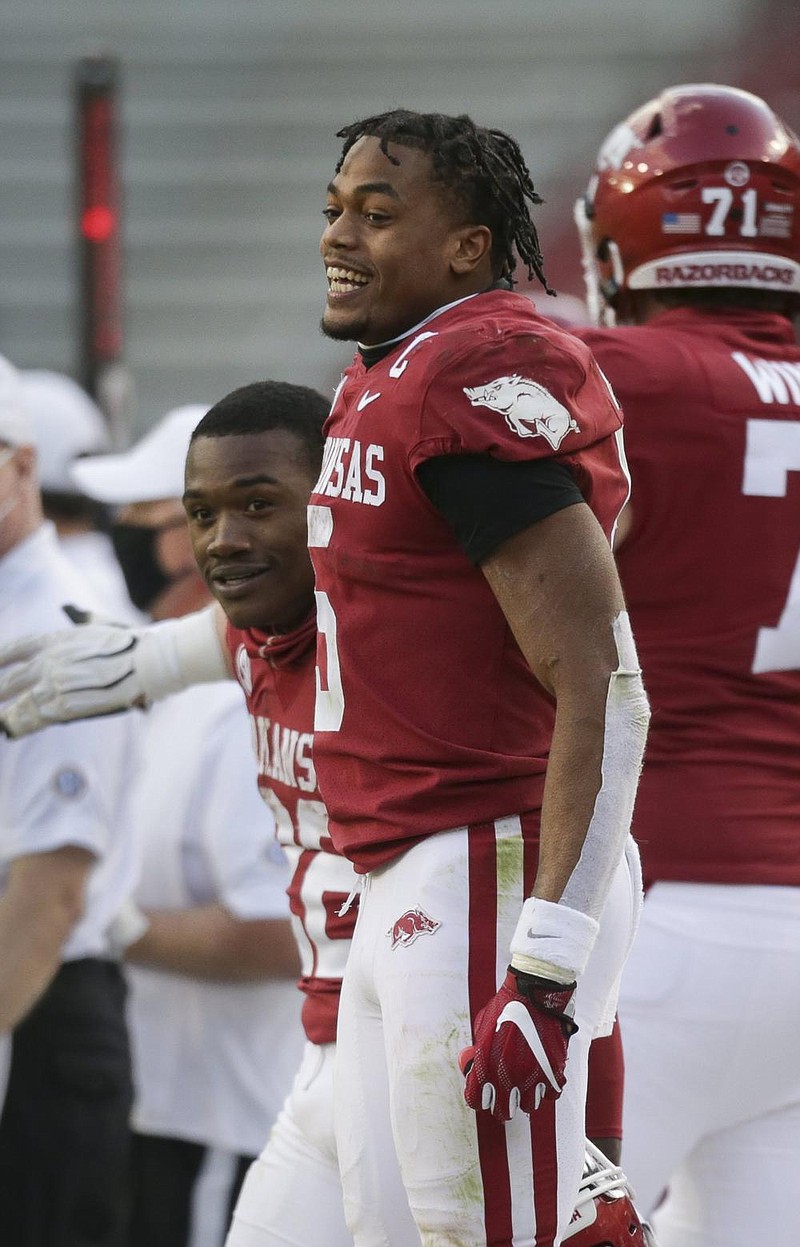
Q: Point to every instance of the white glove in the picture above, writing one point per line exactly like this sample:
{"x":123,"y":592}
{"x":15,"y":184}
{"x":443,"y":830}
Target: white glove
{"x":101,"y":668}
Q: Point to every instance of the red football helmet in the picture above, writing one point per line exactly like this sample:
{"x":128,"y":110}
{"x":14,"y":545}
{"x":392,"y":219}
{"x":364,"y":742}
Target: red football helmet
{"x":604,"y":1214}
{"x":699,"y":187}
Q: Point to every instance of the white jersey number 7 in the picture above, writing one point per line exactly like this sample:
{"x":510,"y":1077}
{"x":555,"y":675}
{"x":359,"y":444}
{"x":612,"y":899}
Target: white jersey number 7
{"x":772,"y":452}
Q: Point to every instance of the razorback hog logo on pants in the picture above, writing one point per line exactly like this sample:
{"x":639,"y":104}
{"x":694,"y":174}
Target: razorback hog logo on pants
{"x":530,"y":410}
{"x":409,"y":925}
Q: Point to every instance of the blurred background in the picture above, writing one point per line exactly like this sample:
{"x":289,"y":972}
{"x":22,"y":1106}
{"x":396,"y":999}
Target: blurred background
{"x":224,"y":129}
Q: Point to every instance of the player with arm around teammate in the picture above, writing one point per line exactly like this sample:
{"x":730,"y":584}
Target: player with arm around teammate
{"x":691,"y":233}
{"x":251,"y":465}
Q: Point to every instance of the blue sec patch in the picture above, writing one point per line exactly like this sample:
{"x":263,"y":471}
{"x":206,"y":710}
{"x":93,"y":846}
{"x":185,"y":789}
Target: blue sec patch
{"x":69,"y":782}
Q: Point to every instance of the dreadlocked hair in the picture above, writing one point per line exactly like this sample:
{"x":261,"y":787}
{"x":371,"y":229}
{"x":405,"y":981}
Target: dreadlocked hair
{"x":484,"y":168}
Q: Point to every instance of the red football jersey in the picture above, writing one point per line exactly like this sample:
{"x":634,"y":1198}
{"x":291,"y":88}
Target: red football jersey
{"x":428,"y":716}
{"x":277,"y":675}
{"x":712,"y":578}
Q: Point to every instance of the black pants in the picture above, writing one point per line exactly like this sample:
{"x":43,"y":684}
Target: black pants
{"x":64,"y":1137}
{"x":164,"y":1173}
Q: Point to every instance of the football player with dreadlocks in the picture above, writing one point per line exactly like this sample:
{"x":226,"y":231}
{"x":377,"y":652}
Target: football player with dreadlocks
{"x":480,"y":714}
{"x":691,"y":234}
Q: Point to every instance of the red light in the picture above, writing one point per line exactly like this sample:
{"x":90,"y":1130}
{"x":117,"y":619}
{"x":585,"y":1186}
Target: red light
{"x":97,"y":224}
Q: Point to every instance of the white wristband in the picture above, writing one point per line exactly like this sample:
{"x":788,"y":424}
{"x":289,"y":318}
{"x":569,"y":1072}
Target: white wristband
{"x":178,"y":653}
{"x":128,"y":926}
{"x":552,"y":940}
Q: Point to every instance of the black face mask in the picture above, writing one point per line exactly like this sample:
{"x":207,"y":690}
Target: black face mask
{"x":135,"y":548}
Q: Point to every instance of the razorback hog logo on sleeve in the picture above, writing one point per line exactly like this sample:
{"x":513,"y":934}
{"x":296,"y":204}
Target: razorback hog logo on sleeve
{"x":529,"y":409}
{"x":412,"y":923}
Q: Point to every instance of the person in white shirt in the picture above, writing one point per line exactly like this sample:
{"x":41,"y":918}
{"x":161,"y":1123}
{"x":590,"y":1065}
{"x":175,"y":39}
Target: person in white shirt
{"x":66,"y":868}
{"x":213,"y":1008}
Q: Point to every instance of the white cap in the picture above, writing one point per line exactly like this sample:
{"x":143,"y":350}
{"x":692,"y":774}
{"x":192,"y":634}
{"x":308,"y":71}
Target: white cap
{"x":16,"y":426}
{"x":66,"y":423}
{"x":150,"y":470}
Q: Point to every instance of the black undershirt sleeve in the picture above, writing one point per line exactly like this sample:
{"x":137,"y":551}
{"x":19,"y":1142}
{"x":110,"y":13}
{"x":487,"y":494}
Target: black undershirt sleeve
{"x":488,"y":500}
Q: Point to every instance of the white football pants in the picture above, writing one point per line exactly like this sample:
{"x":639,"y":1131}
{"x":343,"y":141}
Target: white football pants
{"x":292,"y":1195}
{"x":430,"y":948}
{"x":710,"y":1017}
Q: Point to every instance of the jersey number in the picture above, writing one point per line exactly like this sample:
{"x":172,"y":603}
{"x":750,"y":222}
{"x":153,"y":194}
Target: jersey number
{"x":329,"y":703}
{"x":722,"y":199}
{"x":772,"y":452}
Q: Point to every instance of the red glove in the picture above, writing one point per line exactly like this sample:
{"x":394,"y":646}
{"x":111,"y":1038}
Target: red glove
{"x":520,"y":1047}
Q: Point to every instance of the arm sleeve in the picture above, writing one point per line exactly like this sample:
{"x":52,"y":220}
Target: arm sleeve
{"x":487,"y":500}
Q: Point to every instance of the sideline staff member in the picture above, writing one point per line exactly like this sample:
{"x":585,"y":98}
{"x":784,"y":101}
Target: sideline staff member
{"x":64,"y":872}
